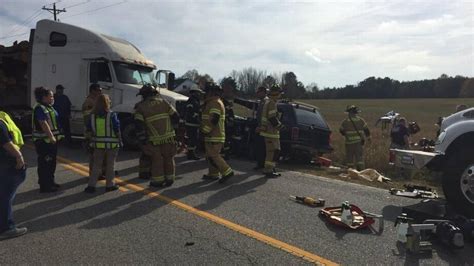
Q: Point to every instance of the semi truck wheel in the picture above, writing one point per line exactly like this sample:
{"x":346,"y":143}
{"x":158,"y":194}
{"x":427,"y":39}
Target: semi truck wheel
{"x":458,"y":184}
{"x":129,"y":134}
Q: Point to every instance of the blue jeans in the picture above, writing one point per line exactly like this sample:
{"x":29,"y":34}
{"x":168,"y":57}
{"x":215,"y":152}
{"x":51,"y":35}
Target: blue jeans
{"x":10,"y":180}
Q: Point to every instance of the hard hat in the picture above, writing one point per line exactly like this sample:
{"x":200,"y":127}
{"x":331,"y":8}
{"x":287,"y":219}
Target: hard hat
{"x":352,"y":109}
{"x":147,"y":89}
{"x":275,"y":90}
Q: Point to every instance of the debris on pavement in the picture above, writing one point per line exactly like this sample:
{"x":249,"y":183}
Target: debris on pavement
{"x":368,"y":174}
{"x":309,"y":201}
{"x":413,"y":191}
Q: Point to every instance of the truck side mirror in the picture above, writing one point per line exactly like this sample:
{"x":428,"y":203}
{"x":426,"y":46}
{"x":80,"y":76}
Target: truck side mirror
{"x":171,"y":79}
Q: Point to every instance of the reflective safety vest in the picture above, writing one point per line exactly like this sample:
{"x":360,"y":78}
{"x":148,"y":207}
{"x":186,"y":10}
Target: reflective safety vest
{"x":156,"y":113}
{"x":15,"y":132}
{"x":103,"y":134}
{"x":268,"y":130}
{"x":52,"y":121}
{"x":353,"y":133}
{"x":213,"y":133}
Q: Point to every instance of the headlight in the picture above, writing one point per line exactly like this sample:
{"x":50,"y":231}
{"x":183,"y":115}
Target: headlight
{"x":441,"y":137}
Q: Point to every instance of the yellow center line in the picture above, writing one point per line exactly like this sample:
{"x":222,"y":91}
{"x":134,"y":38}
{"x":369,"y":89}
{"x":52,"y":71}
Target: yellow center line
{"x":293,"y":250}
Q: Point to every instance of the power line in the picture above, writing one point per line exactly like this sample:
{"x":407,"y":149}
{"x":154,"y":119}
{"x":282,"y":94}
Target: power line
{"x":97,"y":9}
{"x":6,"y":37}
{"x":55,"y":11}
{"x":78,"y":4}
{"x":24,"y":22}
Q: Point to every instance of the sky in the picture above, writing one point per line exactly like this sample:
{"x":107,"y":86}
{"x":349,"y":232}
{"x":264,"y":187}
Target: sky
{"x":330,"y":43}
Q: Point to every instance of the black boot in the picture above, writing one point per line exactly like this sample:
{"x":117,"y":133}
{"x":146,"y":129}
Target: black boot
{"x":210,"y":177}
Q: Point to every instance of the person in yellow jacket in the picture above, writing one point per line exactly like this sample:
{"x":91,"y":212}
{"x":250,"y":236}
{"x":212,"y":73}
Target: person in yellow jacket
{"x":270,"y":126}
{"x":355,"y":130}
{"x":94,"y":92}
{"x":12,"y":174}
{"x":155,"y":119}
{"x":103,"y":129}
{"x":46,"y":134}
{"x":213,"y":128}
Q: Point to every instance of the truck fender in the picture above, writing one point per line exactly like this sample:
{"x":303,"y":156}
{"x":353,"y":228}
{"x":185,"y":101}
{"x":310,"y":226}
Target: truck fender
{"x":456,"y":134}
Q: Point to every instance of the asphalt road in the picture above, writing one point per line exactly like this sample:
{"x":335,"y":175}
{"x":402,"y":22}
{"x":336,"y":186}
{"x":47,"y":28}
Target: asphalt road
{"x":249,"y":220}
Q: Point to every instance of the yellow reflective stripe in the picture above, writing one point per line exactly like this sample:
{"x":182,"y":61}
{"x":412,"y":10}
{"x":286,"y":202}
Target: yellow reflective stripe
{"x":205,"y":117}
{"x":164,"y":136}
{"x":271,"y":112}
{"x":156,"y":117}
{"x":269,"y":135}
{"x":270,"y":163}
{"x":139,"y":116}
{"x":206,"y":129}
{"x":214,"y":111}
{"x":227,"y":172}
{"x":214,"y":139}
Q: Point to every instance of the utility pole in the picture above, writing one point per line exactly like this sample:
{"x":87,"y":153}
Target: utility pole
{"x":54,"y":10}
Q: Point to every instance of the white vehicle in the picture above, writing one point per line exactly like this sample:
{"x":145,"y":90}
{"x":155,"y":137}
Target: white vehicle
{"x":453,"y":157}
{"x":75,"y":58}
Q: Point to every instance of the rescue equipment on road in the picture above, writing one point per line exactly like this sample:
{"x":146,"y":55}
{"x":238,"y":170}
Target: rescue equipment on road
{"x":309,"y":201}
{"x":354,"y":217}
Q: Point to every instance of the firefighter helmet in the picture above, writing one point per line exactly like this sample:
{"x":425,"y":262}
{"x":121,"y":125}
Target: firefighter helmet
{"x":195,"y":89}
{"x":275,"y":90}
{"x":147,"y":90}
{"x":352,"y":109}
{"x":212,"y":87}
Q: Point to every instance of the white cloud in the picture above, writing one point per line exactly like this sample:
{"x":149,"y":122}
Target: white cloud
{"x":416,"y":69}
{"x":323,"y":41}
{"x":315,"y":54}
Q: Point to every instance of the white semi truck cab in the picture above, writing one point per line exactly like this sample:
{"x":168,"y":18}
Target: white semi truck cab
{"x":75,"y":58}
{"x":453,"y":157}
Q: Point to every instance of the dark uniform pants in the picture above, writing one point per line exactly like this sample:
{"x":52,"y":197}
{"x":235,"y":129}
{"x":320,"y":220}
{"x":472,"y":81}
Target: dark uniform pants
{"x":144,"y":166}
{"x":355,"y":155}
{"x":192,"y":133}
{"x":216,"y":163}
{"x":162,"y":162}
{"x":46,"y":163}
{"x":66,"y":127}
{"x":10,"y":179}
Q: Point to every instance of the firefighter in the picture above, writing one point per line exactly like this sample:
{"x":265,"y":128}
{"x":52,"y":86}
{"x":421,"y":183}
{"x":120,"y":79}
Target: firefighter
{"x":46,"y":134}
{"x":94,"y":91}
{"x":355,"y":130}
{"x":154,"y":122}
{"x":192,"y":121}
{"x":257,"y":107}
{"x":213,"y":128}
{"x":270,"y":126}
{"x":144,"y":161}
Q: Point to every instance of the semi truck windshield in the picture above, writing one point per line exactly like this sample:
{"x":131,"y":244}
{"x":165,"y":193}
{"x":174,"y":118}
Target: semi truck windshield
{"x":133,"y":74}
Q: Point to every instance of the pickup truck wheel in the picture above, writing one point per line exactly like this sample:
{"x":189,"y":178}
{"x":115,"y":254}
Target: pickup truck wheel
{"x":129,"y":134}
{"x":458,"y":185}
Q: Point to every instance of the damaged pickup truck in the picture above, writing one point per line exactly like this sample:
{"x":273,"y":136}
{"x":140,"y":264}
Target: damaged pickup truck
{"x":453,"y":156}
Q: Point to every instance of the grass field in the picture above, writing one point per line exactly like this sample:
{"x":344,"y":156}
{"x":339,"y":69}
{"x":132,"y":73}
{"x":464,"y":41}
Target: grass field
{"x":424,"y":111}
